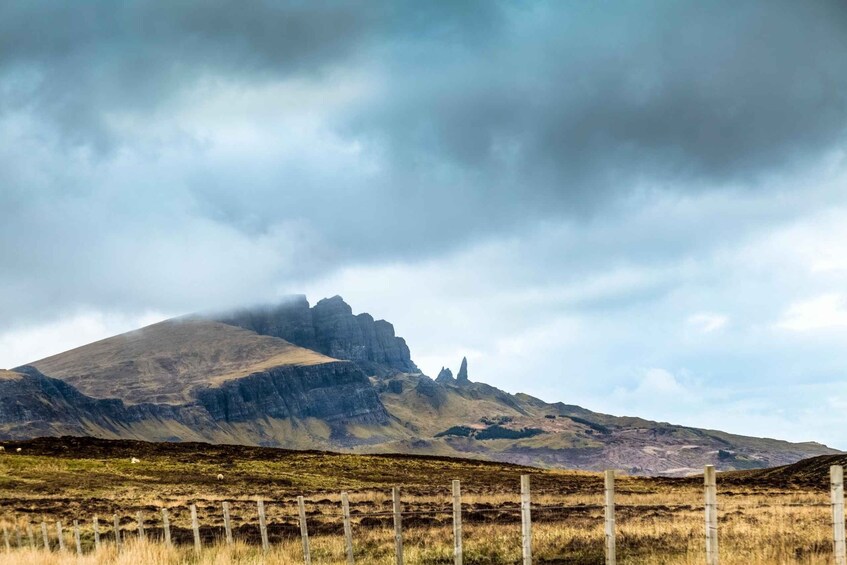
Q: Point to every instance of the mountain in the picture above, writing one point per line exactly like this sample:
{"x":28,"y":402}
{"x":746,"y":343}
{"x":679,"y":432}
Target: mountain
{"x":296,"y":376}
{"x":195,"y":379}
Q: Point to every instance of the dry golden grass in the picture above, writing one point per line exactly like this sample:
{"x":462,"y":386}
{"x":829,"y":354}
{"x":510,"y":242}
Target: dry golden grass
{"x":9,"y":375}
{"x":758,"y":528}
{"x":659,"y":521}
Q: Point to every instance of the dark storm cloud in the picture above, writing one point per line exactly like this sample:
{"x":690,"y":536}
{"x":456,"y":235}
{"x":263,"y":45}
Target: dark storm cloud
{"x":549,"y":110}
{"x":561,"y":92}
{"x":446,"y":123}
{"x":78,"y":61}
{"x":572,"y":100}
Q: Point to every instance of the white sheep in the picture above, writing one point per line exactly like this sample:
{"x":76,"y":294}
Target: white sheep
{"x":220,"y":477}
{"x":2,"y":448}
{"x":135,"y":460}
{"x":18,"y":450}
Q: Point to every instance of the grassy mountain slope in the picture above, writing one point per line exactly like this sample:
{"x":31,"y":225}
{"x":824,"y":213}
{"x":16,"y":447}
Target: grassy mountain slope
{"x":165,"y":362}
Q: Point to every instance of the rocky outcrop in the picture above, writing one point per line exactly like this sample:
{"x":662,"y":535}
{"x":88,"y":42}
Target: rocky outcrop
{"x":462,"y":376}
{"x":331,"y":328}
{"x":445,"y":376}
{"x":435,"y":394}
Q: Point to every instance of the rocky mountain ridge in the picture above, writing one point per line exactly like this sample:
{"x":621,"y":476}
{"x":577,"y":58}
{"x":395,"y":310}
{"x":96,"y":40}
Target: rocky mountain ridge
{"x":331,"y":328}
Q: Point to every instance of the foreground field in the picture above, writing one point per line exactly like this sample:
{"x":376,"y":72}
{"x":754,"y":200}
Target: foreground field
{"x":765,"y":517}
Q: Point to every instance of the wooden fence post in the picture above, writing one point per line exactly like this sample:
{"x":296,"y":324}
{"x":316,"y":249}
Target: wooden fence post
{"x":95,"y":523}
{"x":304,"y":530}
{"x":398,"y":525}
{"x":76,"y":538}
{"x":195,"y":526}
{"x":227,"y":524}
{"x":711,"y":495}
{"x":348,"y":530}
{"x":30,"y":535}
{"x":140,"y":520}
{"x":836,"y":482}
{"x":45,"y":535}
{"x":60,"y":535}
{"x":117,"y":522}
{"x":6,"y":539}
{"x":18,"y":534}
{"x":526,"y":521}
{"x":457,"y":523}
{"x":263,"y":527}
{"x":166,"y":526}
{"x":611,"y":549}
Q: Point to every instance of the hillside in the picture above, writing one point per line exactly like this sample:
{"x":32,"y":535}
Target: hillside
{"x":164,"y":363}
{"x":236,"y":378}
{"x":812,"y":473}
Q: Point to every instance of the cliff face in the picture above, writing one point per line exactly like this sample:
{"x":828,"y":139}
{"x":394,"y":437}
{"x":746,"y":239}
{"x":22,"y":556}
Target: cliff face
{"x":331,"y":328}
{"x":290,"y":320}
{"x":339,"y":394}
{"x":36,"y":405}
{"x":332,"y":392}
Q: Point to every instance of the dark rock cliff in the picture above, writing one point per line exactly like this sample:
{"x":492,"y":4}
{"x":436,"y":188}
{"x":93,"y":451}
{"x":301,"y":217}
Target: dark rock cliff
{"x":337,"y":393}
{"x":333,"y":392}
{"x":331,"y":328}
{"x":39,"y":405}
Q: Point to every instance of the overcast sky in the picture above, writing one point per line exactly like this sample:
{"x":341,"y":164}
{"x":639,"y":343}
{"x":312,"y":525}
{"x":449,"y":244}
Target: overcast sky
{"x":638,"y":207}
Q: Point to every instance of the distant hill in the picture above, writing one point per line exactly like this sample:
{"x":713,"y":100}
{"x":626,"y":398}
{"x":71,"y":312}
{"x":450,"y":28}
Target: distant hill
{"x":470,"y":419}
{"x":807,"y":473}
{"x":295,"y":376}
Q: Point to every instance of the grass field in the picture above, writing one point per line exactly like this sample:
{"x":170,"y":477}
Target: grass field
{"x":765,"y":518}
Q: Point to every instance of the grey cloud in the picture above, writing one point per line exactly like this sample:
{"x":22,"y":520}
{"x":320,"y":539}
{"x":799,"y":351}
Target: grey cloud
{"x":80,"y":61}
{"x":478,"y":120}
{"x":574,"y":100}
{"x":551,"y":110}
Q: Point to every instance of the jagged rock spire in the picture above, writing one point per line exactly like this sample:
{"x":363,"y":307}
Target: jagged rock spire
{"x":462,"y":377}
{"x":444,"y":376}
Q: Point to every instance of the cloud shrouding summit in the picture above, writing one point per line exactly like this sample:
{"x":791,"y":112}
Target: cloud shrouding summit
{"x":622,"y":200}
